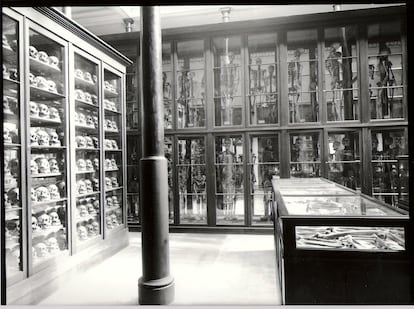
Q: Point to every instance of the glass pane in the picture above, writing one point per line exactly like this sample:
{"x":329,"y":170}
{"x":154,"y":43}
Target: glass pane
{"x":227,"y":81}
{"x":132,"y":111}
{"x":304,"y":155}
{"x":133,"y":143}
{"x":192,"y":180}
{"x":190,"y":84}
{"x":114,"y":177}
{"x":387,"y":146}
{"x":263,"y":165}
{"x":341,"y":73}
{"x":385,"y":70}
{"x":263,"y":79}
{"x":344,"y":159}
{"x":48,"y":143}
{"x":167,"y":84}
{"x":229,"y":180}
{"x":302,"y":76}
{"x":87,"y":116}
{"x":168,"y":151}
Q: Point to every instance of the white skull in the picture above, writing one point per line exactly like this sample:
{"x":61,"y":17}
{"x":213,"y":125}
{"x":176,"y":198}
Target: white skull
{"x":54,"y":139}
{"x":43,"y":194}
{"x":41,"y":83}
{"x":108,"y":164}
{"x":6,"y":135}
{"x":55,"y":218}
{"x":43,"y":165}
{"x":89,"y":165}
{"x":81,"y":187}
{"x":95,"y":78}
{"x":44,"y":221}
{"x":6,"y":105}
{"x":108,"y":183}
{"x":95,"y":184}
{"x":91,"y":209}
{"x":51,"y":86}
{"x":81,"y":165}
{"x":52,"y":245}
{"x":34,"y":109}
{"x":95,"y":122}
{"x":95,"y":227}
{"x":33,"y":195}
{"x":108,"y":124}
{"x":113,"y":164}
{"x":114,"y":126}
{"x":82,"y":119}
{"x":108,"y":221}
{"x":88,"y":97}
{"x":115,"y":201}
{"x":79,"y":73}
{"x":54,"y":192}
{"x":13,"y":74}
{"x":96,"y":205}
{"x":91,"y":232}
{"x":44,"y":111}
{"x":32,"y":80}
{"x":114,"y":144}
{"x":88,"y":185}
{"x":80,"y":141}
{"x":83,"y":211}
{"x":107,"y":85}
{"x":89,"y":121}
{"x":94,"y":99}
{"x":107,"y":104}
{"x":43,"y":138}
{"x":76,"y":117}
{"x":114,"y":181}
{"x":108,"y":144}
{"x":33,"y":52}
{"x":114,"y":220}
{"x":109,"y":202}
{"x":43,"y":57}
{"x":54,"y":166}
{"x":35,"y":227}
{"x":41,"y":250}
{"x":79,"y":95}
{"x":54,"y":61}
{"x":54,"y":113}
{"x":34,"y":138}
{"x":89,"y":141}
{"x":95,"y":142}
{"x":82,"y":233}
{"x":118,"y":213}
{"x":87,"y":76}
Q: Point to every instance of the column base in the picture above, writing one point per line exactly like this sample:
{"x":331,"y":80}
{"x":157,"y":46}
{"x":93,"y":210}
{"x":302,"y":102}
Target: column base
{"x":156,"y":292}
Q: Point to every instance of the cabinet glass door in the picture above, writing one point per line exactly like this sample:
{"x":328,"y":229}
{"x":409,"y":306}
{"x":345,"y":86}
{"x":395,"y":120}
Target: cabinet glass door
{"x":87,"y":157}
{"x":305,"y":154}
{"x":113,"y":143}
{"x":167,"y":83}
{"x":47,"y":158}
{"x":12,"y":148}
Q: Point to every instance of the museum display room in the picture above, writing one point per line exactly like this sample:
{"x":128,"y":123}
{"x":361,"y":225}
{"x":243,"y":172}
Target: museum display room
{"x":292,"y":126}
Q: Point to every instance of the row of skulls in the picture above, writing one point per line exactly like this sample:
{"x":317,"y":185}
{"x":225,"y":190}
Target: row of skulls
{"x":87,"y":76}
{"x":88,"y":230}
{"x":111,"y":105}
{"x":86,"y":97}
{"x":44,"y":166}
{"x":42,"y":56}
{"x":10,"y":73}
{"x":10,"y":105}
{"x":42,"y":83}
{"x":45,"y":221}
{"x":85,"y":186}
{"x":43,"y":111}
{"x":10,"y":136}
{"x":110,"y":164}
{"x":87,"y":120}
{"x":111,"y":182}
{"x":39,"y":137}
{"x":45,"y":193}
{"x":108,"y":86}
{"x":87,"y":141}
{"x":87,"y":165}
{"x":113,"y":220}
{"x":45,"y":249}
{"x":88,"y":207}
{"x":110,"y":125}
{"x":112,"y":201}
{"x":111,"y":144}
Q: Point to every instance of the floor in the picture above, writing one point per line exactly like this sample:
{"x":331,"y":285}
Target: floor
{"x":208,"y":269}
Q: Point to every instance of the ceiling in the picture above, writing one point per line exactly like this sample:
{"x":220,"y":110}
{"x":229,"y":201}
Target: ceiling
{"x":102,"y":20}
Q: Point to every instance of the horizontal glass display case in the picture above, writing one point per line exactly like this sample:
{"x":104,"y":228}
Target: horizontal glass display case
{"x":325,"y":233}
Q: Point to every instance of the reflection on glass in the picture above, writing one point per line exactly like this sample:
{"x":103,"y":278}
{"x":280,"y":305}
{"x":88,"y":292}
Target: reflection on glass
{"x":229,"y":180}
{"x":304,"y":155}
{"x":341,"y":73}
{"x":385,"y":70}
{"x":192,"y":180}
{"x":263,"y":165}
{"x":132,"y":112}
{"x":387,"y":146}
{"x":403,"y":175}
{"x":263,"y":79}
{"x":133,"y":178}
{"x":344,"y":159}
{"x":167,"y":84}
{"x":227,"y":81}
{"x":302,"y":76}
{"x":168,"y":152}
{"x":190,"y":84}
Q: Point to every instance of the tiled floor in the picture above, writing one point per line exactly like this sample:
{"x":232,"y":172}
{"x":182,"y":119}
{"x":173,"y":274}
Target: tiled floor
{"x":208,"y":269}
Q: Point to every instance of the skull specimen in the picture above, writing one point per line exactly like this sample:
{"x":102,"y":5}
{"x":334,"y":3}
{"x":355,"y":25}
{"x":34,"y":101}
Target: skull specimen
{"x":54,"y":166}
{"x":82,"y":233}
{"x":108,"y":144}
{"x":95,"y":226}
{"x":82,"y":119}
{"x":79,"y":95}
{"x":42,"y":194}
{"x":114,"y":126}
{"x":41,"y":83}
{"x":6,"y":135}
{"x":54,"y":61}
{"x":95,"y":142}
{"x":87,"y":76}
{"x":89,"y":141}
{"x":13,"y":196}
{"x":114,"y":220}
{"x":33,"y":195}
{"x":76,"y":118}
{"x":96,"y":205}
{"x":108,"y":164}
{"x":108,"y":124}
{"x":109,"y":201}
{"x":80,"y":141}
{"x":88,"y":184}
{"x":108,"y":183}
{"x":34,"y":109}
{"x":51,"y":86}
{"x":107,"y":85}
{"x":52,"y":245}
{"x":43,"y":138}
{"x":54,"y":139}
{"x":54,"y":192}
{"x":44,"y":221}
{"x":34,"y":138}
{"x":113,"y":106}
{"x":113,"y":164}
{"x":95,"y":184}
{"x":41,"y":250}
{"x":114,"y":144}
{"x":81,"y":165}
{"x":89,"y":165}
{"x":89,"y":121}
{"x":54,"y":217}
{"x":79,"y":73}
{"x":106,"y":104}
{"x":108,"y":221}
{"x":6,"y":106}
{"x":44,"y":111}
{"x":81,"y":187}
{"x":35,"y":227}
{"x":54,"y":114}
{"x":95,"y":78}
{"x":43,"y":56}
{"x":88,"y":97}
{"x":114,"y":181}
{"x":91,"y":232}
{"x":32,"y":80}
{"x":13,"y":74}
{"x":91,"y":209}
{"x":43,"y":165}
{"x":33,"y":52}
{"x":115,"y":201}
{"x":83,"y":211}
{"x":94,"y":99}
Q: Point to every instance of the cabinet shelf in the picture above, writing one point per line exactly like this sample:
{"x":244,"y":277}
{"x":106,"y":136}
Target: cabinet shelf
{"x":113,"y":189}
{"x":86,"y":128}
{"x":111,"y":94}
{"x":45,"y":121}
{"x":44,"y":94}
{"x":43,"y":148}
{"x":39,"y":204}
{"x":39,"y":66}
{"x":91,"y":87}
{"x":38,"y":233}
{"x":86,"y":104}
{"x":85,"y":172}
{"x":113,"y":150}
{"x":7,"y":82}
{"x":9,"y":145}
{"x":87,"y":149}
{"x":112,"y":170}
{"x":110,"y":111}
{"x":86,"y":218}
{"x":87,"y":194}
{"x":111,"y":209}
{"x":46,"y":175}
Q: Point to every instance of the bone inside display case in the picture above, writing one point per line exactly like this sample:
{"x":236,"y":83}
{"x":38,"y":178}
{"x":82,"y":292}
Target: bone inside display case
{"x":319,"y":225}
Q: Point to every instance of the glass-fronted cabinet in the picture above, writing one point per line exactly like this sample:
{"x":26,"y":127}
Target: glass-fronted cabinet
{"x":12,"y":151}
{"x":113,"y":145}
{"x":263,"y":79}
{"x":167,"y":84}
{"x":133,"y":153}
{"x":47,"y":156}
{"x":86,"y":209}
{"x":305,"y":154}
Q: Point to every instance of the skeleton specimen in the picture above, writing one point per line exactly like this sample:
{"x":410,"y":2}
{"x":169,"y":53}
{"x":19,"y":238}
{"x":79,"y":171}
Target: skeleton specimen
{"x":295,"y":85}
